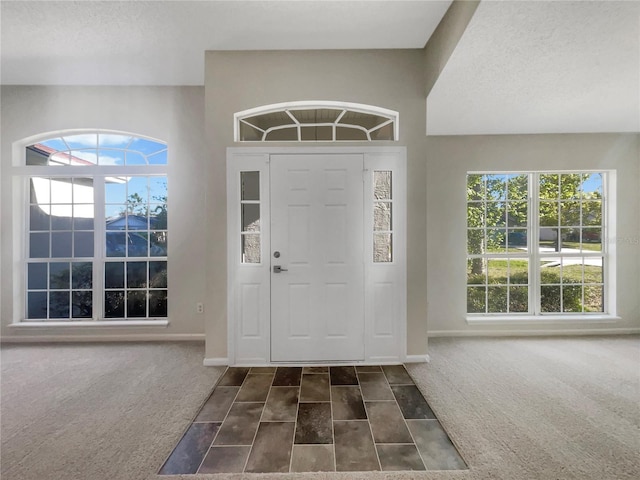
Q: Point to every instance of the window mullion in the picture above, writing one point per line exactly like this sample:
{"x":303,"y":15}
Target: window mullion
{"x":534,"y":252}
{"x":99,"y":247}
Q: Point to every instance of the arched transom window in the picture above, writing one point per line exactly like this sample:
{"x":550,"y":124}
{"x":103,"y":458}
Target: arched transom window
{"x":316,"y":121}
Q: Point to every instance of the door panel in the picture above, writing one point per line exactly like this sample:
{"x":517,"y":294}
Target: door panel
{"x":317,"y":301}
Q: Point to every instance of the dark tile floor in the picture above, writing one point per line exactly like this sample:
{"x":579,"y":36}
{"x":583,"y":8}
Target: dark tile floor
{"x":314,"y":419}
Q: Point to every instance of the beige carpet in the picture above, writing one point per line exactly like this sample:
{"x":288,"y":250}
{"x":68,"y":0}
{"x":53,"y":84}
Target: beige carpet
{"x":527,"y":408}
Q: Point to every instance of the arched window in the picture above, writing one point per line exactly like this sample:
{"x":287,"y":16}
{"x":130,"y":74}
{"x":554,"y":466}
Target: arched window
{"x":96,"y":235}
{"x":316,"y":121}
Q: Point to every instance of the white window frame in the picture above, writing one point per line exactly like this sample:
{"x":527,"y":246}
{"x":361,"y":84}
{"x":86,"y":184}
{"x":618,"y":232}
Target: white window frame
{"x":22,"y":173}
{"x":608,"y":254}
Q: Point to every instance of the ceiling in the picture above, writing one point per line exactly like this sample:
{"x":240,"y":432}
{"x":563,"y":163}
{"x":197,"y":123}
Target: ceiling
{"x":542,"y":67}
{"x":520,"y":66}
{"x":163,"y":42}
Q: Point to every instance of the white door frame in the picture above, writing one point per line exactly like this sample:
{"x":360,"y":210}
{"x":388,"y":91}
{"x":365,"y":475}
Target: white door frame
{"x":248,"y":285}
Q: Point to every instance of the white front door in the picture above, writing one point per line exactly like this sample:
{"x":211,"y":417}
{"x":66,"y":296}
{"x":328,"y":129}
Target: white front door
{"x":317,"y":257}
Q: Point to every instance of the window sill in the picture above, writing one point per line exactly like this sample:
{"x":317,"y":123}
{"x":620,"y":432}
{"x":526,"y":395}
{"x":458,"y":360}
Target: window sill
{"x":98,"y":323}
{"x":542,"y":319}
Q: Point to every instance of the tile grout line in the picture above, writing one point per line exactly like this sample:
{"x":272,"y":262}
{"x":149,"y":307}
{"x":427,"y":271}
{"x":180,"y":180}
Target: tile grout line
{"x":295,"y":421}
{"x":264,"y":405}
{"x":333,"y":432}
{"x":225,"y":417}
{"x":373,"y":440}
{"x":406,"y":423}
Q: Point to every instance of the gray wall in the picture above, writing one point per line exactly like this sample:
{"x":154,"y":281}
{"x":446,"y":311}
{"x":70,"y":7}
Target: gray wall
{"x":448,"y":160}
{"x":173,"y":114}
{"x":392,"y":79}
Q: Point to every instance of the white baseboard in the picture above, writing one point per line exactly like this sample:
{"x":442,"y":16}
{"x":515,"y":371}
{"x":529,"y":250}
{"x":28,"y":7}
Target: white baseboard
{"x":417,"y":359}
{"x":176,"y":337}
{"x":533,"y":332}
{"x":215,"y":362}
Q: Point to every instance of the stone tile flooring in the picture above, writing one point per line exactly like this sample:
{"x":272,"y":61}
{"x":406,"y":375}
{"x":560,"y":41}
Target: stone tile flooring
{"x":314,"y":419}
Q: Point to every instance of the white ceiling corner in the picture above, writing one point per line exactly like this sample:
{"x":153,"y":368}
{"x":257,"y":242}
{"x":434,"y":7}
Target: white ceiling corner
{"x":542,"y":67}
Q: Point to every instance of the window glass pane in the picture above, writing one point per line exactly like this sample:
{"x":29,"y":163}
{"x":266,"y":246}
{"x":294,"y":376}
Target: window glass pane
{"x":570,"y":239}
{"x":114,"y":140}
{"x":111,"y":157}
{"x":36,"y":305}
{"x":136,"y":274}
{"x":82,"y":275}
{"x":570,"y":185}
{"x":518,"y":187}
{"x":61,"y":244}
{"x":250,"y":217}
{"x":592,"y":212}
{"x":592,"y":239}
{"x":382,"y":185}
{"x":84,"y":140}
{"x":137,"y":193}
{"x":569,"y":213}
{"x":138,"y":220}
{"x":159,"y":244}
{"x":548,"y":241}
{"x":382,"y":247}
{"x":572,"y":298}
{"x":116,"y":244}
{"x":137,"y":244}
{"x":593,"y":270}
{"x":476,"y":269}
{"x":158,"y":303}
{"x":59,"y":304}
{"x":250,"y":248}
{"x":158,"y":274}
{"x":519,"y":299}
{"x":548,"y":216}
{"x":114,"y":304}
{"x":382,"y":216}
{"x":136,"y":303}
{"x":550,"y":298}
{"x":115,"y":190}
{"x":475,"y":214}
{"x":497,"y":271}
{"x":517,"y":214}
{"x":549,"y":186}
{"x":517,"y":239}
{"x":62,"y":217}
{"x":496,"y":187}
{"x":159,"y":158}
{"x":476,"y":242}
{"x":518,"y":271}
{"x":59,"y":275}
{"x":39,"y":245}
{"x":114,"y":275}
{"x":496,"y":214}
{"x":38,"y":219}
{"x":83,"y":217}
{"x":82,"y":304}
{"x":317,"y":134}
{"x":350,"y":134}
{"x":158,"y":216}
{"x":593,"y":298}
{"x":146,"y":146}
{"x":497,"y":299}
{"x":283,"y":134}
{"x":249,"y":133}
{"x":476,"y":187}
{"x":476,"y":300}
{"x":83,"y":244}
{"x":37,"y":276}
{"x":250,"y":185}
{"x":496,"y":240}
{"x":592,"y":186}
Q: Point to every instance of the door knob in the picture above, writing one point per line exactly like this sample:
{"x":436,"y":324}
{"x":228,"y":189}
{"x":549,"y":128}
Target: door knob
{"x":279,"y":269}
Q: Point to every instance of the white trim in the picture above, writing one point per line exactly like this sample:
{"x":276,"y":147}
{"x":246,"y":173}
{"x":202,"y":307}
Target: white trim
{"x":417,"y":359}
{"x":215,"y":362}
{"x":175,"y":337}
{"x":556,"y":319}
{"x":99,"y":323}
{"x":533,"y":333}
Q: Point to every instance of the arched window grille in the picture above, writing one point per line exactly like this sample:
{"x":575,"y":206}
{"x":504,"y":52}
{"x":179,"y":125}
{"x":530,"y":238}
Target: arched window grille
{"x":316,"y":121}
